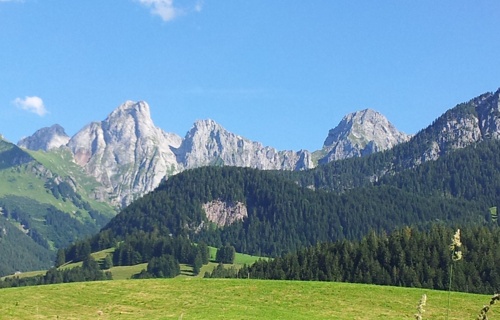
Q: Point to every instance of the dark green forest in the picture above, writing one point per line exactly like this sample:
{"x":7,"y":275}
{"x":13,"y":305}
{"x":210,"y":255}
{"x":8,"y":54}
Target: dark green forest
{"x":16,"y":246}
{"x":406,"y":257}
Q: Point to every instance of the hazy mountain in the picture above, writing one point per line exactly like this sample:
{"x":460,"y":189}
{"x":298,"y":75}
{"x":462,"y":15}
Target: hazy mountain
{"x":45,"y":139}
{"x":130,"y":156}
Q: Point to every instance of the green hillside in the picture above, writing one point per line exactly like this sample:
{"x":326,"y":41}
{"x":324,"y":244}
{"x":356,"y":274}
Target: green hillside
{"x":46,"y":202}
{"x":231,"y":299}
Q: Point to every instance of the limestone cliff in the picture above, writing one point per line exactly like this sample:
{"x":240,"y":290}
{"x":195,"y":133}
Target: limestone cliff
{"x":126,"y":152}
{"x":208,"y":143}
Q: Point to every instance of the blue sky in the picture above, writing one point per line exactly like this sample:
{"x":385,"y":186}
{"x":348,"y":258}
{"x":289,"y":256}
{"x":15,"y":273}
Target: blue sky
{"x":279,"y":72}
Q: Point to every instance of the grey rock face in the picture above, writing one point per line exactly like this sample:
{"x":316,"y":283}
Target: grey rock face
{"x":224,"y":213}
{"x":208,"y":143}
{"x":463,"y":125}
{"x":359,"y":134}
{"x":126,"y":152}
{"x":45,"y":139}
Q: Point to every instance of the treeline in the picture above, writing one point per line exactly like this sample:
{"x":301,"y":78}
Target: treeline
{"x":89,"y":271}
{"x":407,"y":257}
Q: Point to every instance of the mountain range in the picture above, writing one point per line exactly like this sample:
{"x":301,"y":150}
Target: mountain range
{"x":130,"y":156}
{"x":117,"y":161}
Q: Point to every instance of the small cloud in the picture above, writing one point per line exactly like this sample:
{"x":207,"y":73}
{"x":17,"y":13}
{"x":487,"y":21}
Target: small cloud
{"x":167,"y":10}
{"x":163,"y":8}
{"x":198,"y":6}
{"x":31,"y":104}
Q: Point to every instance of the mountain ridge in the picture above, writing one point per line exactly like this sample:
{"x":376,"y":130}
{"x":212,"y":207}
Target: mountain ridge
{"x":130,"y":156}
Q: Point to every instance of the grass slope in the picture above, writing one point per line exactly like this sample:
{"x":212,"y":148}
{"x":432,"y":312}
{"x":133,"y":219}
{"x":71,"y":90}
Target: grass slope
{"x":230,"y":299}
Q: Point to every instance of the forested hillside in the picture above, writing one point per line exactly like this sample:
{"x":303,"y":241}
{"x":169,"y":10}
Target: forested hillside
{"x":472,"y":174}
{"x":406,"y":257}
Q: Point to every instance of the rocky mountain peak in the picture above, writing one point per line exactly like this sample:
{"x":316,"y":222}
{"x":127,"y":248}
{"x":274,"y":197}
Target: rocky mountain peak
{"x":45,"y":139}
{"x":139,"y":110}
{"x":361,"y":133}
{"x":126,"y":152}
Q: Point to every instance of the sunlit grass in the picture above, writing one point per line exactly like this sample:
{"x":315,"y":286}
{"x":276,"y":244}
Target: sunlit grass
{"x":193,"y":298}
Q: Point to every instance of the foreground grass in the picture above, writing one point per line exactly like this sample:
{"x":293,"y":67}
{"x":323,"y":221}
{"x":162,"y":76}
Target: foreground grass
{"x":193,"y":298}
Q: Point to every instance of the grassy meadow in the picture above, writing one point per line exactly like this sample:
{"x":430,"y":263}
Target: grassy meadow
{"x":195,"y":298}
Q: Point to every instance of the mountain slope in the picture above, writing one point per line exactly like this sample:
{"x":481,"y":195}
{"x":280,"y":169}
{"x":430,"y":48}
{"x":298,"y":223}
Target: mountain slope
{"x":43,"y":207}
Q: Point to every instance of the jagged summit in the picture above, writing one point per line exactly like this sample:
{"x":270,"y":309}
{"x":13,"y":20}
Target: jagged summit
{"x":361,"y":133}
{"x":45,"y":139}
{"x":126,"y":152}
{"x":208,"y":143}
{"x":139,"y":109}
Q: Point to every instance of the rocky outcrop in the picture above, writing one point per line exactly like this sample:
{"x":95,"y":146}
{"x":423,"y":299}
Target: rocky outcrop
{"x":224,"y":213}
{"x":208,"y":143}
{"x":126,"y":152}
{"x":45,"y":139}
{"x":359,"y":134}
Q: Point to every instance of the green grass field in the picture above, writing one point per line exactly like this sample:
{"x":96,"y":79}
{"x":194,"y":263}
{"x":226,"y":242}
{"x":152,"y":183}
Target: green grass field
{"x":194,"y":298}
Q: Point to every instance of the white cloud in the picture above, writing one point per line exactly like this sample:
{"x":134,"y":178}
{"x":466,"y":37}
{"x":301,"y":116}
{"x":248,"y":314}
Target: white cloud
{"x":163,"y":8}
{"x":31,"y":104}
{"x":167,"y":10}
{"x":198,"y":6}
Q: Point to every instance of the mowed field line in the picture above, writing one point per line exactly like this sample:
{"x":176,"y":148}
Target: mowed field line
{"x":195,"y":298}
